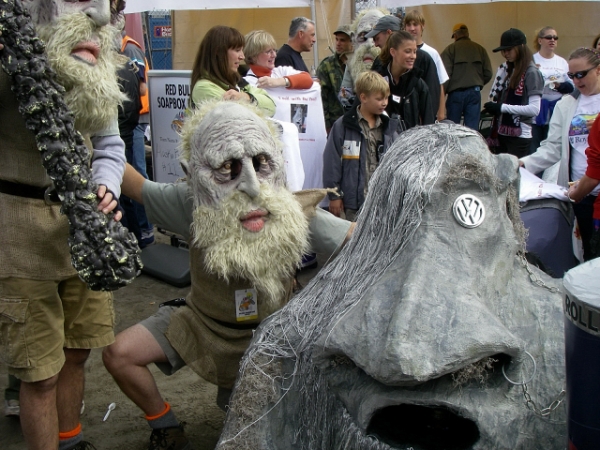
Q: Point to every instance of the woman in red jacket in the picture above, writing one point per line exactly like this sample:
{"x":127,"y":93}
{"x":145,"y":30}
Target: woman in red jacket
{"x":589,"y":181}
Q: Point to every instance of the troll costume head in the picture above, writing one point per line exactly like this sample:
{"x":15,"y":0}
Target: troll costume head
{"x":422,"y":332}
{"x":65,"y":86}
{"x":365,"y":51}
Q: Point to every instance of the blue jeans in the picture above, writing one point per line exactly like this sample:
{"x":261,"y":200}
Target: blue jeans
{"x":138,"y":153}
{"x":136,"y":156}
{"x":467,"y":103}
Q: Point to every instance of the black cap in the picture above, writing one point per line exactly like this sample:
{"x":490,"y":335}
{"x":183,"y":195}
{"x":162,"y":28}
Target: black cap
{"x":511,"y":38}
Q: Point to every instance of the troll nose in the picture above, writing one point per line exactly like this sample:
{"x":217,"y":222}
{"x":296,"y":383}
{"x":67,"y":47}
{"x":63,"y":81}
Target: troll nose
{"x":97,"y":10}
{"x":248,"y":181}
{"x":409,"y":329}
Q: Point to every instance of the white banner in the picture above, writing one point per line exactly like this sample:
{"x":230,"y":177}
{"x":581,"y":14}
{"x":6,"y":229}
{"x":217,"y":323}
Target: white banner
{"x":304,"y":108}
{"x":133,"y":6}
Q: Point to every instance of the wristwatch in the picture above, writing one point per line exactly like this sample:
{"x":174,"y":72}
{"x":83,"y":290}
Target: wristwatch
{"x":287,"y":82}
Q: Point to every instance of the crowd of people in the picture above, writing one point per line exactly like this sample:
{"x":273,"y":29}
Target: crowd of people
{"x":381,"y":80}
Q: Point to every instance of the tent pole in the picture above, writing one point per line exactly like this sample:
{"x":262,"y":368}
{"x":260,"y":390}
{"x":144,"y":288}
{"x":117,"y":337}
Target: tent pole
{"x":313,"y":16}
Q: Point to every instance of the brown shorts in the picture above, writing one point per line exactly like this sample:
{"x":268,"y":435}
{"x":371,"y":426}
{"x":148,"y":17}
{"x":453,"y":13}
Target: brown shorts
{"x":40,"y":318}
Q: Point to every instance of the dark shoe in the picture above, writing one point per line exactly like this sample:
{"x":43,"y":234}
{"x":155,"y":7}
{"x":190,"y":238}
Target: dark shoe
{"x":145,"y":241}
{"x":12,"y":408}
{"x":169,"y":439}
{"x":309,"y":261}
{"x":83,"y":445}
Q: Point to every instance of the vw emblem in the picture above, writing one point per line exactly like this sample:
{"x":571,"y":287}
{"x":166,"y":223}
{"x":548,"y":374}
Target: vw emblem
{"x":468,"y":210}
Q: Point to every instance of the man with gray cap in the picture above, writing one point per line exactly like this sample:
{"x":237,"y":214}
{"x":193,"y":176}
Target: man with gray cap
{"x":469,"y":68}
{"x":331,"y":72}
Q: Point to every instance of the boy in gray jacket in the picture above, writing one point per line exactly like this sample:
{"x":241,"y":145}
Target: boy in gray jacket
{"x":355,"y":145}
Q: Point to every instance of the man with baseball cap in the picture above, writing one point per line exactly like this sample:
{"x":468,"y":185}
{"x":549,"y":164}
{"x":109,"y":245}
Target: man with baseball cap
{"x":383,"y":28}
{"x":331,"y":72}
{"x":469,"y":68}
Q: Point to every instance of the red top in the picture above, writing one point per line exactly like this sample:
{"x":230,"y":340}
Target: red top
{"x":593,"y":151}
{"x":593,"y":160}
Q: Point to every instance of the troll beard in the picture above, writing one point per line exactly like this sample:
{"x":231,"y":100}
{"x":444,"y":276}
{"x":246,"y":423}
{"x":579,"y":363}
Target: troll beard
{"x":357,"y":64}
{"x":266,"y":258}
{"x":92,"y":91}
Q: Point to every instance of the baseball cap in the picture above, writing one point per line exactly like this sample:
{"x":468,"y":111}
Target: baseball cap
{"x":458,"y":26}
{"x":384,"y":24}
{"x":511,"y":38}
{"x":343,"y":29}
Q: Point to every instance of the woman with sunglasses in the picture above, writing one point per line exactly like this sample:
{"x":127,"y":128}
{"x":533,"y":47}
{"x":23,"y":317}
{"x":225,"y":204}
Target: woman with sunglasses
{"x":519,"y":85}
{"x":562,"y":155}
{"x":556,"y":83}
{"x":215,"y":73}
{"x":260,"y":51}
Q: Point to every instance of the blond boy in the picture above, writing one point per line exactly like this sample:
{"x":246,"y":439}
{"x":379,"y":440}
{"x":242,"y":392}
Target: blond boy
{"x":356,"y":144}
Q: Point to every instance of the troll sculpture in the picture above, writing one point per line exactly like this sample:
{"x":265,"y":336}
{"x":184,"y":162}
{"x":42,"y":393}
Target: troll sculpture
{"x":429,"y":331}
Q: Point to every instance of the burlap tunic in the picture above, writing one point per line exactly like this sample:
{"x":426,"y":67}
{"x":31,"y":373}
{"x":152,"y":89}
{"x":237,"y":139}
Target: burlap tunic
{"x":205,"y":333}
{"x":34,"y":235}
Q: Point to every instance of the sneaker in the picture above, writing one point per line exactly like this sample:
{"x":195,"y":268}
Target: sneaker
{"x":169,"y":439}
{"x":12,"y":408}
{"x":145,"y":241}
{"x":83,"y":445}
{"x":309,"y":261}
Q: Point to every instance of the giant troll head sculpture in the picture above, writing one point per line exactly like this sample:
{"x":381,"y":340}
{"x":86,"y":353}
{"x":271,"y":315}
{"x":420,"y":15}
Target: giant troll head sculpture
{"x":409,"y":338}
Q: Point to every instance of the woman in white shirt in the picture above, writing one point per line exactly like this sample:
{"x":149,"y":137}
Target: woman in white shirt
{"x":556,"y":83}
{"x":562,"y":154}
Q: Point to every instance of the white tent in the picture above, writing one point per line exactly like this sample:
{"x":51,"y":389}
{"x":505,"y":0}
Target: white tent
{"x":133,"y":6}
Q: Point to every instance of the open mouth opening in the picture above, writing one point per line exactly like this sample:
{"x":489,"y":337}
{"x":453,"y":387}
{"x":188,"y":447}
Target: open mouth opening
{"x":423,"y":428}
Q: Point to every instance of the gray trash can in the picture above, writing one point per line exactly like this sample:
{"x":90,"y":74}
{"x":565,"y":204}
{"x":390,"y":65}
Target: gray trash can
{"x":582,"y":354}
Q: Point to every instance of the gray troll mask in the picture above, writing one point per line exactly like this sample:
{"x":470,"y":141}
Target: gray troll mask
{"x":365,"y":51}
{"x":401,"y":342}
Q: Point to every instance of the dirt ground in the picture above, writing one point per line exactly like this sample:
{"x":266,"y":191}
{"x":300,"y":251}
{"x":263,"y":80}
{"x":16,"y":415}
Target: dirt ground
{"x":192,"y":398}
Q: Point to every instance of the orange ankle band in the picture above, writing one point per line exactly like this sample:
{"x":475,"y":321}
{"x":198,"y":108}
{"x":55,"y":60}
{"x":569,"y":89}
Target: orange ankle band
{"x":69,"y":434}
{"x":166,"y":410}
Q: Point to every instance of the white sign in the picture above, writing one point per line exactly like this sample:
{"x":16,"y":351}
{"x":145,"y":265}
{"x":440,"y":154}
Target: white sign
{"x":169,"y":92}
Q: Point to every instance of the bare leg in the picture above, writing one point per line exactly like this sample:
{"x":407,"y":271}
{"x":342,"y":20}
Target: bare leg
{"x":126,"y":361}
{"x":39,"y":420}
{"x":69,"y":393}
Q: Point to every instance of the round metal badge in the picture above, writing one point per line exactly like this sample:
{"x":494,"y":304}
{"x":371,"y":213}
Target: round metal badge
{"x":468,"y":211}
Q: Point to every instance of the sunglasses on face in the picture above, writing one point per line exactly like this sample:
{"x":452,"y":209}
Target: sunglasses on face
{"x":579,"y":75}
{"x":550,"y":37}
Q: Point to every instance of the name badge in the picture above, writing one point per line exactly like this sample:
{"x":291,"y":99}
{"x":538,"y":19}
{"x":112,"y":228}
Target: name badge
{"x":396,"y":98}
{"x":246,"y":305}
